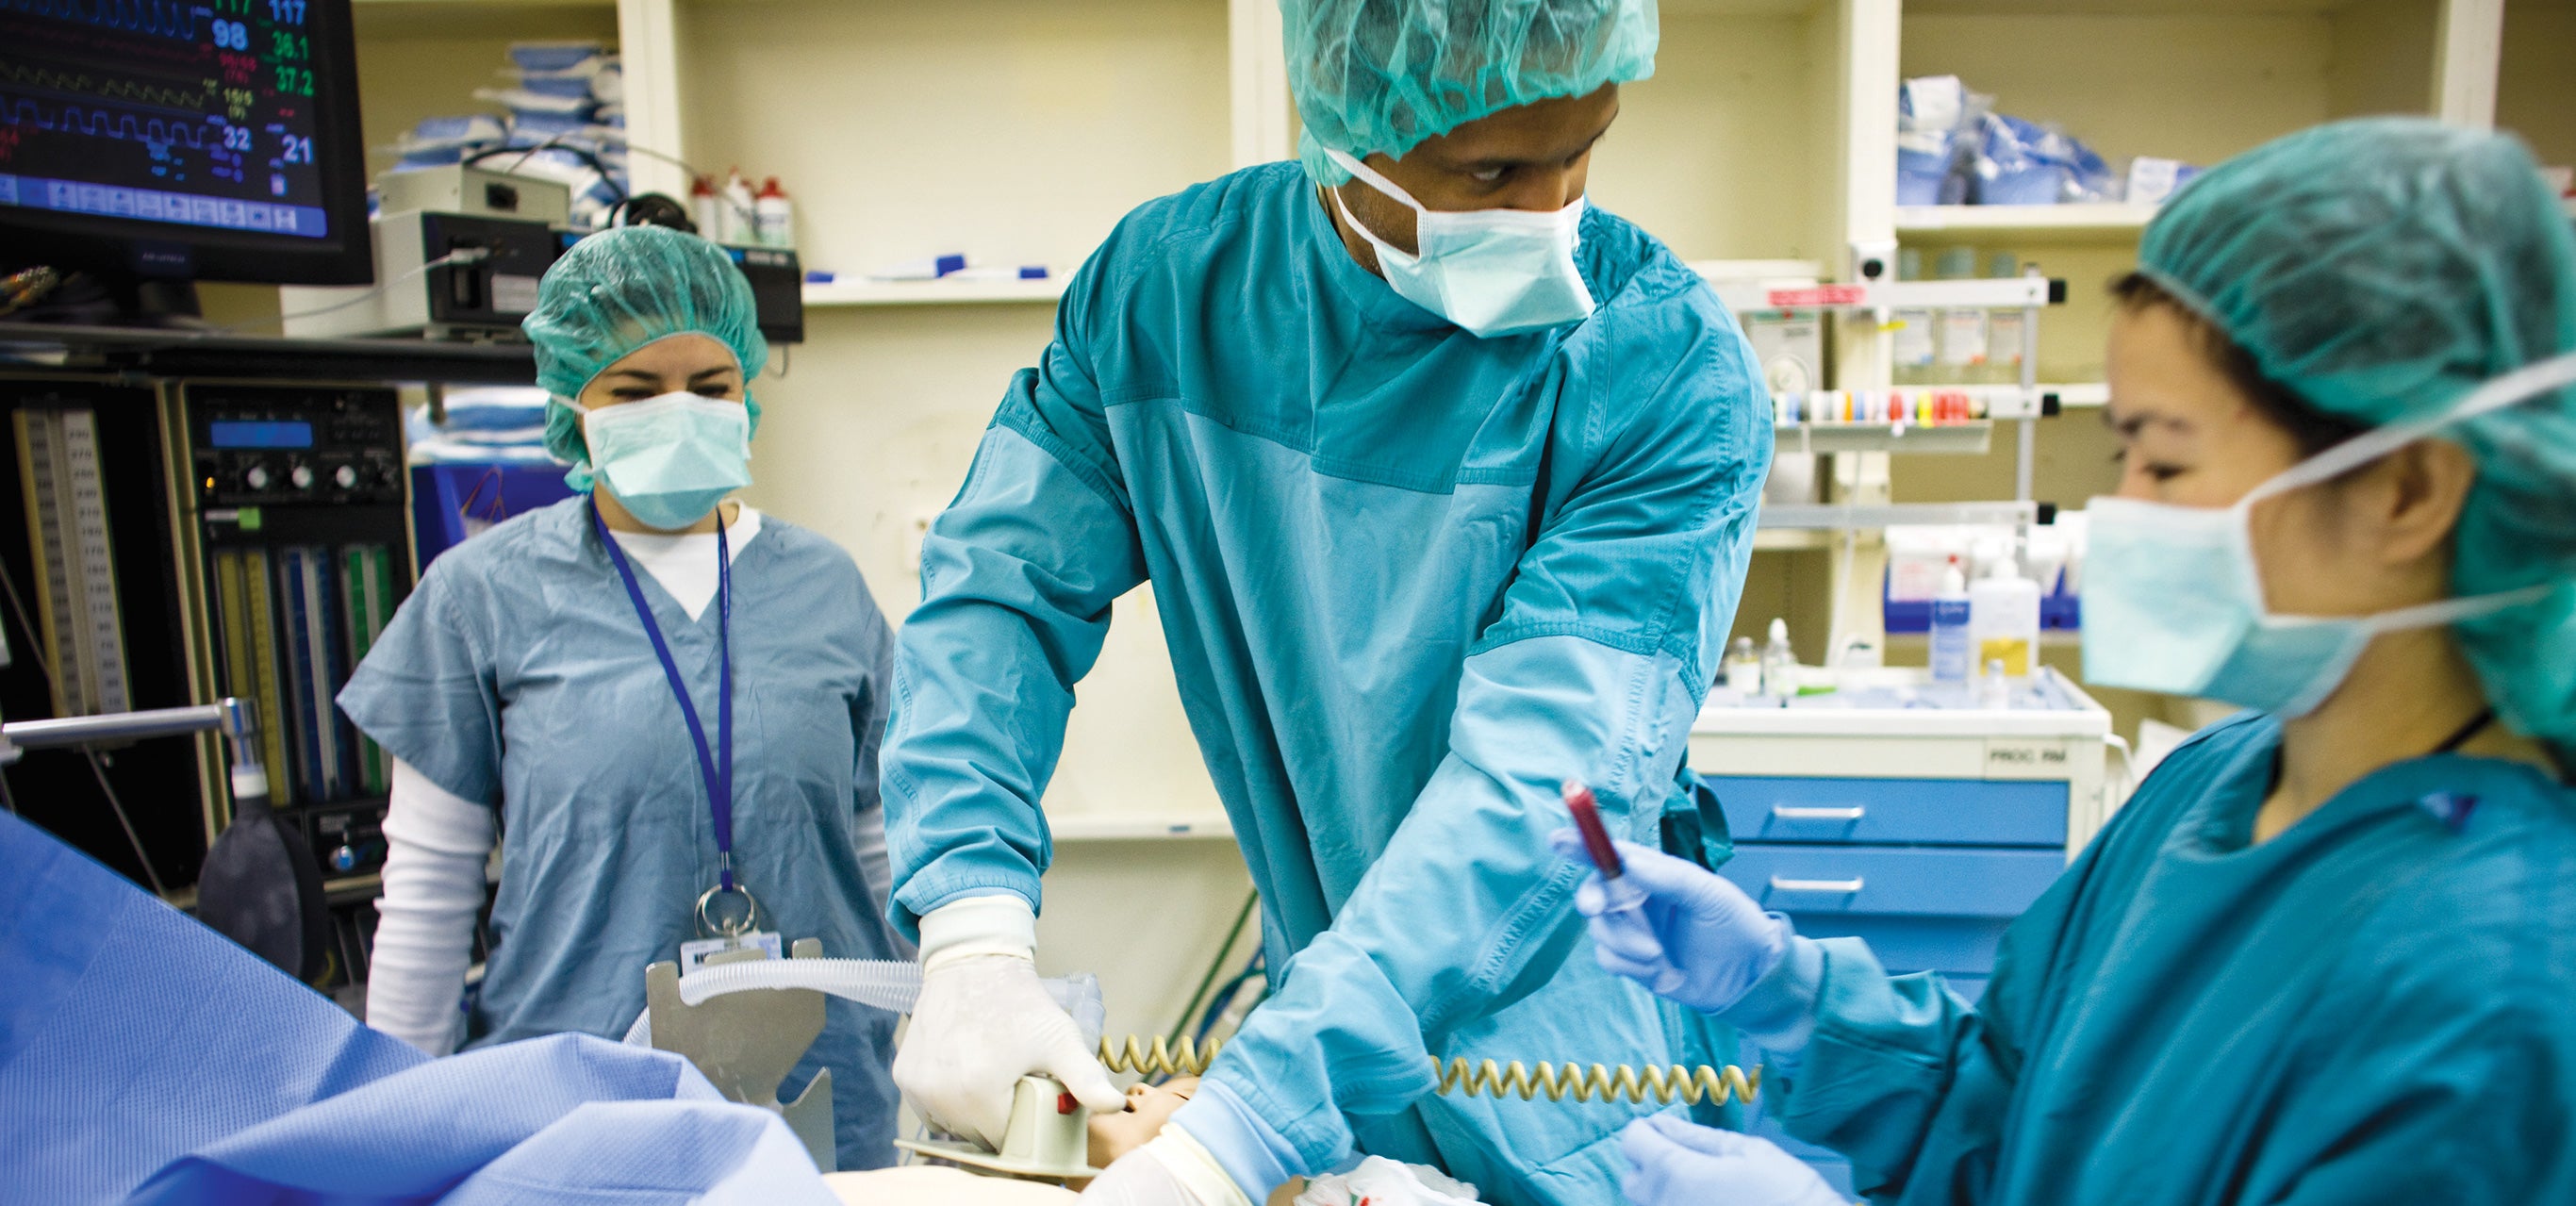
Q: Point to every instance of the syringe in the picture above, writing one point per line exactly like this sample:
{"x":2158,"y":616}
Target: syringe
{"x":1622,"y":901}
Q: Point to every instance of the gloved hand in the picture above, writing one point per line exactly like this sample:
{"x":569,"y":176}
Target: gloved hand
{"x":1677,"y":1163}
{"x":1170,"y":1170}
{"x":984,"y":1021}
{"x":1704,"y":927}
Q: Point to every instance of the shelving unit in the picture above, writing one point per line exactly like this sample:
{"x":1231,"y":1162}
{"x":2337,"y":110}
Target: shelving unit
{"x":2027,"y":221}
{"x":943,"y":292}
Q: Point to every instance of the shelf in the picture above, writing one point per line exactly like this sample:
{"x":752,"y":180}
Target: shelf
{"x":933,"y":293}
{"x":1836,"y":517}
{"x":1966,"y":439}
{"x":1743,"y":292}
{"x":1113,"y":828}
{"x":1999,"y":398}
{"x":2028,"y":220}
{"x":1791,"y":540}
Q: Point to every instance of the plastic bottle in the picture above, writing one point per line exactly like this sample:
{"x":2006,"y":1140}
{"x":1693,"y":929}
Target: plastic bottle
{"x":2003,"y":620}
{"x":704,"y":209}
{"x":1952,"y":652}
{"x":774,"y":216}
{"x":1779,"y":664}
{"x":1744,"y":667}
{"x":1962,"y":329}
{"x":1913,"y":344}
{"x":735,"y":225}
{"x":2004,"y":328}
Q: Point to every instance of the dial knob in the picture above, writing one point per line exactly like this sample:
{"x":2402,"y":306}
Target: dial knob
{"x":302,"y":476}
{"x":346,"y":476}
{"x":256,"y":477}
{"x":345,"y":858}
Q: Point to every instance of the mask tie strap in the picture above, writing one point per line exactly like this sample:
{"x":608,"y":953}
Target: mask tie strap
{"x":2497,"y":393}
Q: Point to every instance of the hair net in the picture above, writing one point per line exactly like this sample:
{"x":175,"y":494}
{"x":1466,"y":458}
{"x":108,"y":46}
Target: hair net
{"x":2382,"y":269}
{"x":620,"y":289}
{"x":1382,"y":75}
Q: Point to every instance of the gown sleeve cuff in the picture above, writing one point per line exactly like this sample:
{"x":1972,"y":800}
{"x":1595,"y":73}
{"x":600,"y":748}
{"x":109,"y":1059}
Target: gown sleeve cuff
{"x":1779,"y":1012}
{"x":993,"y":924}
{"x":1257,"y":1158}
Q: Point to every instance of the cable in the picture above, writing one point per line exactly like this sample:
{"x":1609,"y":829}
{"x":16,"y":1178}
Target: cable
{"x":118,"y":806}
{"x":1215,"y":968}
{"x":36,"y":647}
{"x":462,"y":255}
{"x":1661,"y":1082}
{"x":5,"y":798}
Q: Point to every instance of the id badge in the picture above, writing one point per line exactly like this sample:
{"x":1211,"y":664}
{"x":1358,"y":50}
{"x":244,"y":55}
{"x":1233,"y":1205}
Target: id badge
{"x":693,"y":955}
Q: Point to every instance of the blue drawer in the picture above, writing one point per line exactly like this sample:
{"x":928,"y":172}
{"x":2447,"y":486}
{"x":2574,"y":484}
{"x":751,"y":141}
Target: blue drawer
{"x":1955,"y":812}
{"x":1950,"y":945}
{"x":1910,"y":881}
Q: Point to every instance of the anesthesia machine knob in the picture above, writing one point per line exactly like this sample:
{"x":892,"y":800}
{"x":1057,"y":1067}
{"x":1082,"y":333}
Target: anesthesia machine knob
{"x":302,"y":476}
{"x":256,"y":477}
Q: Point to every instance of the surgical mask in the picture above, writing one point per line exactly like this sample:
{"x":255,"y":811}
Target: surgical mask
{"x":1492,"y":271}
{"x":2173,"y":600}
{"x":670,"y":459}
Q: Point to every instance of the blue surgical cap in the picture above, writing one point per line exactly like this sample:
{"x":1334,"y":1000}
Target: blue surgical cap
{"x":620,"y":289}
{"x":2381,"y":269}
{"x":1382,"y":75}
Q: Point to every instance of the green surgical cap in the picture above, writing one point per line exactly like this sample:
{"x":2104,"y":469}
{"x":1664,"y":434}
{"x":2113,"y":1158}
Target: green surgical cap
{"x":625,"y":287}
{"x":1382,"y":75}
{"x":2382,"y":269}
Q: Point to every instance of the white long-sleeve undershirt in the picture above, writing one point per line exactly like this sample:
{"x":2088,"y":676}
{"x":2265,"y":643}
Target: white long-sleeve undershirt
{"x":437,"y":843}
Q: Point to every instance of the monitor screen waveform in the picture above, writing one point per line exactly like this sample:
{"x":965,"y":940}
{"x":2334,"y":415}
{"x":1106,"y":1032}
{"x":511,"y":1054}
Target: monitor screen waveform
{"x":189,"y":112}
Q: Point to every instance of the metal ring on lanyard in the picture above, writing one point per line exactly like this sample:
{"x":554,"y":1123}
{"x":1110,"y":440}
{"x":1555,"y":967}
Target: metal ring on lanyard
{"x":729,"y":926}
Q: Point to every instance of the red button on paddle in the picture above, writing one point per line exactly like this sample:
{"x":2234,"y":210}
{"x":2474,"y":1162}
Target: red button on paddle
{"x":1065,"y":1104}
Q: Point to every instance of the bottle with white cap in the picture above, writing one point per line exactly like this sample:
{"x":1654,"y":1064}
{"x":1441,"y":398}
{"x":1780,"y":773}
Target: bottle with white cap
{"x":1779,"y":664}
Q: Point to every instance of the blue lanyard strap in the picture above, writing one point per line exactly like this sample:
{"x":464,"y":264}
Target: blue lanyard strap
{"x":718,"y":775}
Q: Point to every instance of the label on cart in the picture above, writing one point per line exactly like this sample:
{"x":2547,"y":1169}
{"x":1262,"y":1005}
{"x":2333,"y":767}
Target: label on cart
{"x":2009,"y":758}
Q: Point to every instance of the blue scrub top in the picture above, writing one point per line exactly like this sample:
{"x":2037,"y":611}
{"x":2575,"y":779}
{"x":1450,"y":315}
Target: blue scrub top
{"x":2377,"y":1005}
{"x":518,"y":675}
{"x":1410,"y":579}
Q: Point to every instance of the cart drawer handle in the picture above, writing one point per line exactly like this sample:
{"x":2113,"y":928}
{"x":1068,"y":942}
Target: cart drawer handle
{"x":1786,"y":813}
{"x":1845,"y":886}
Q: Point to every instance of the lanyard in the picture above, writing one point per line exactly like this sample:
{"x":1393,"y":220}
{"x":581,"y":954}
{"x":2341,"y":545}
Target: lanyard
{"x":718,"y":774}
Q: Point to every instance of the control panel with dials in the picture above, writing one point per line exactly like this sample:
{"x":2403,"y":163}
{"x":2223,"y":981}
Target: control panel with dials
{"x":304,"y":521}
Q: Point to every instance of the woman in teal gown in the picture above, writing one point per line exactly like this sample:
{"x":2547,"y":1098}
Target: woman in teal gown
{"x":2327,"y":952}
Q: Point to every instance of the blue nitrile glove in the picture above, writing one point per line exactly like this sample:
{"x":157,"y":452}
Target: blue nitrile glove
{"x":1694,"y":923}
{"x":1676,"y":1163}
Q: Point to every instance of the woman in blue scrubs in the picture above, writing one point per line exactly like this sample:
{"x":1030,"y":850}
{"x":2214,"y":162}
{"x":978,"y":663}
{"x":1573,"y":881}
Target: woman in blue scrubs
{"x":2327,"y":952}
{"x":532,"y":687}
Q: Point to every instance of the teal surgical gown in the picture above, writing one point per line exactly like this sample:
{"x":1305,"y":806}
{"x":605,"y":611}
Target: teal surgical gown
{"x":2372,"y":1007}
{"x":518,"y":675}
{"x":1410,"y":579}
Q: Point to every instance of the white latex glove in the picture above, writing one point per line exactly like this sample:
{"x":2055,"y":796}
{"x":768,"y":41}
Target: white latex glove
{"x":1170,"y":1170}
{"x":1673,"y":1162}
{"x":984,"y":1020}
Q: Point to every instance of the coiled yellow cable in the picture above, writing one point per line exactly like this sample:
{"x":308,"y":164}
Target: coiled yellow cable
{"x":1661,"y":1082}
